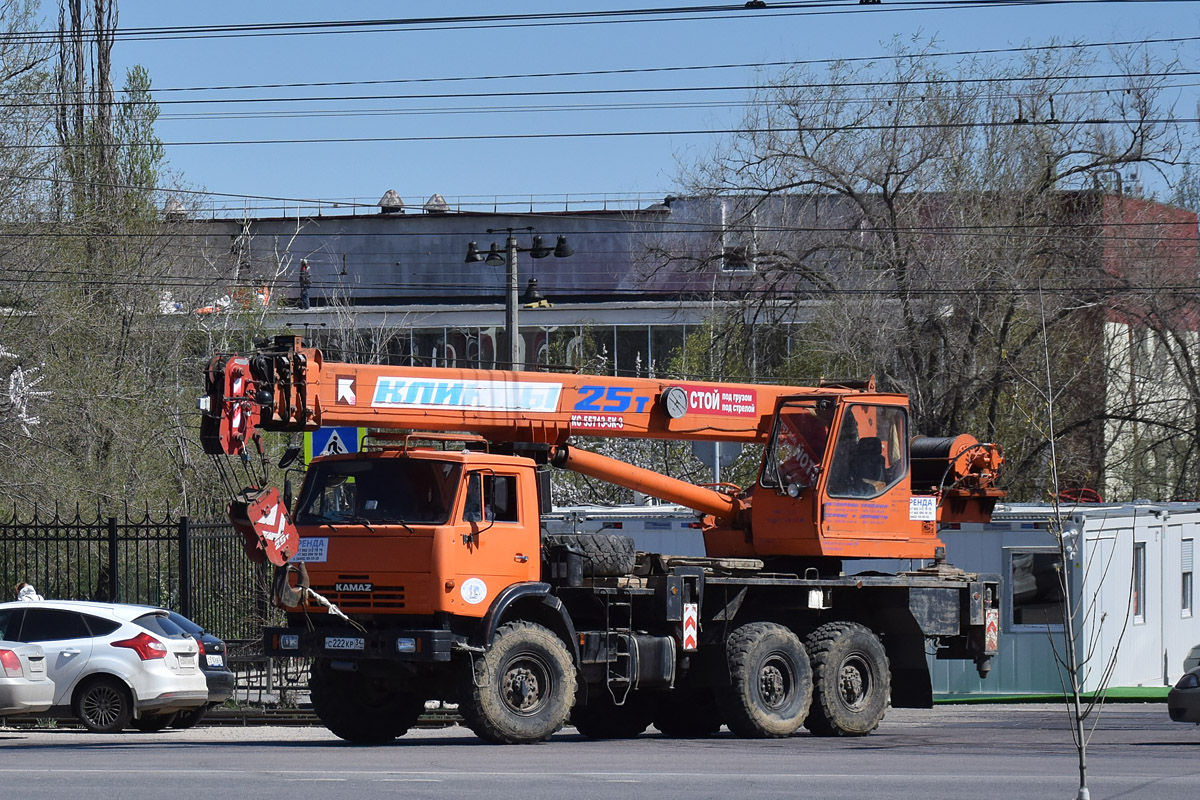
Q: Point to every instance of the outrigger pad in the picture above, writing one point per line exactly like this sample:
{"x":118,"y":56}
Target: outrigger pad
{"x":268,"y":533}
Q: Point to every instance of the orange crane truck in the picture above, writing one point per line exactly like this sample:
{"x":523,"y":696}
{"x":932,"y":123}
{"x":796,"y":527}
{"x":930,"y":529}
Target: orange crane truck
{"x":418,"y":569}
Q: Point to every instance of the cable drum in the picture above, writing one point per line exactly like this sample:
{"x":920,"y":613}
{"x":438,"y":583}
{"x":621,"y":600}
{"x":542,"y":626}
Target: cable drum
{"x":932,"y":456}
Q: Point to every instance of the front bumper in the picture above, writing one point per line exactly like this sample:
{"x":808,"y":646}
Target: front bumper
{"x":221,"y":683}
{"x":350,"y":644}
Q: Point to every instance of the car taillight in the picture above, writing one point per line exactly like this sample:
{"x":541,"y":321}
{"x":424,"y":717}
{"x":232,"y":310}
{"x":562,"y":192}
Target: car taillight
{"x":200,"y":644}
{"x":145,"y":645}
{"x":11,"y":664}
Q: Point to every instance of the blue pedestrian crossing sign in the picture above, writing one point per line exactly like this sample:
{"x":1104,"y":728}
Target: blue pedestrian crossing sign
{"x":332,"y":442}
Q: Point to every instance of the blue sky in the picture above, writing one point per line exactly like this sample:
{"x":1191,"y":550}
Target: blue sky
{"x":474,"y":171}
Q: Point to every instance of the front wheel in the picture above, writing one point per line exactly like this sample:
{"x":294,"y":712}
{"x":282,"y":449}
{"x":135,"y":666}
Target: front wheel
{"x":521,"y":690}
{"x":362,"y":708}
{"x":103,"y":704}
{"x":770,"y":682}
{"x":851,"y":680}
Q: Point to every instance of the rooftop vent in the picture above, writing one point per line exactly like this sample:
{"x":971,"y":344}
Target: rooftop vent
{"x":391,"y":203}
{"x":436,"y":204}
{"x":174,"y":210}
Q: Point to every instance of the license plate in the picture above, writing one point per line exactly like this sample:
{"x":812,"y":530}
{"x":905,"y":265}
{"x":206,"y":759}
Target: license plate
{"x":344,"y":643}
{"x":187,"y":660}
{"x":37,"y":667}
{"x":214,"y":661}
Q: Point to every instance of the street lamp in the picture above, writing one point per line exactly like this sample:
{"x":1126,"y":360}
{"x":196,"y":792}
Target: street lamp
{"x":494,"y":258}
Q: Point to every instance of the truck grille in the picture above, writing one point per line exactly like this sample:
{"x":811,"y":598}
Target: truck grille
{"x":380,"y":598}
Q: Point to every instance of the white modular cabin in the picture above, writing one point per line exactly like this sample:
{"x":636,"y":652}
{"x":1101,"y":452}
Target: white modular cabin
{"x":1130,"y":574}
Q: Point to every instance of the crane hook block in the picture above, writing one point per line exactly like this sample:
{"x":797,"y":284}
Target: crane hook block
{"x":267,"y":530}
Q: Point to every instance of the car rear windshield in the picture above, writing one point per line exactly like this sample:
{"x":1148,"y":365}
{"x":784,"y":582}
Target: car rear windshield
{"x":161,"y":624}
{"x":186,"y":624}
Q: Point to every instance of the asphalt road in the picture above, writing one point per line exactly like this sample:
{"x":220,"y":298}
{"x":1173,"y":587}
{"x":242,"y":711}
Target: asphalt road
{"x":1002,"y":752}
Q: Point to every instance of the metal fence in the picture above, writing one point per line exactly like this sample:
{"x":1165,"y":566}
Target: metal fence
{"x":196,"y":568}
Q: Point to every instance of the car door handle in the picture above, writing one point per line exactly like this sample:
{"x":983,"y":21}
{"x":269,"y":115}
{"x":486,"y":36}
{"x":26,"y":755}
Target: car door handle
{"x":70,"y":652}
{"x":520,"y":559}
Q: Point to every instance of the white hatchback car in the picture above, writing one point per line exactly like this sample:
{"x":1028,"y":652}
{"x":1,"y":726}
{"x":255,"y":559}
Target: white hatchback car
{"x":112,"y":664}
{"x":25,"y":688}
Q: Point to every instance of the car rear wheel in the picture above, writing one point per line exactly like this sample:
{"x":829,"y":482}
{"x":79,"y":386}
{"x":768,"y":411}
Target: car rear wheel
{"x":152,"y":724}
{"x":189,"y":718}
{"x":103,"y":704}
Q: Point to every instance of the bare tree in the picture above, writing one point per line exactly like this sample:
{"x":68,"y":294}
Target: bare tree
{"x":917,"y":206}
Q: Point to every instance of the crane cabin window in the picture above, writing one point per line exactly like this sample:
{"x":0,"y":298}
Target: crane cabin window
{"x":384,"y":491}
{"x":871,"y":455}
{"x":798,"y":444}
{"x":497,"y":502}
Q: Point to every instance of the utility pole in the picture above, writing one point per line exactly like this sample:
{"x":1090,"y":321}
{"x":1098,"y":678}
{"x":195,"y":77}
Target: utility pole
{"x":512,"y":301}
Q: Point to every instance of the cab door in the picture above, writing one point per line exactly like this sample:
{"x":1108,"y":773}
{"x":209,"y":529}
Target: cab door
{"x":500,"y":541}
{"x":785,"y":508}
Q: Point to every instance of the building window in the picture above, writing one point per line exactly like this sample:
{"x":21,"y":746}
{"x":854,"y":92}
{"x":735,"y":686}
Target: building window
{"x":1036,"y":582}
{"x":1139,"y":582}
{"x":1186,"y":571}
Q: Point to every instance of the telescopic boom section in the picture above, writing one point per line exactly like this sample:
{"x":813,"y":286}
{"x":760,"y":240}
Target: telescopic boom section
{"x":723,"y":507}
{"x":291,"y":388}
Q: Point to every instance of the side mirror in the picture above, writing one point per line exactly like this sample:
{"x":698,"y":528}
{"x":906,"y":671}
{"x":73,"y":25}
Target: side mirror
{"x":289,"y":457}
{"x":794,"y":490}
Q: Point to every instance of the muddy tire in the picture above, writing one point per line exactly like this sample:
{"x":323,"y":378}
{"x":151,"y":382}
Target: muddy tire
{"x":604,"y":554}
{"x":770,"y":682}
{"x":684,"y":714}
{"x":103,"y":704}
{"x":359,"y":708}
{"x":851,"y":680}
{"x":521,"y":690}
{"x":152,"y":724}
{"x":601,"y":718}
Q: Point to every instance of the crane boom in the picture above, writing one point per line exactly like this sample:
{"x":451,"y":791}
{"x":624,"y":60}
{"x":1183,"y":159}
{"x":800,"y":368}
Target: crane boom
{"x":292,"y":388}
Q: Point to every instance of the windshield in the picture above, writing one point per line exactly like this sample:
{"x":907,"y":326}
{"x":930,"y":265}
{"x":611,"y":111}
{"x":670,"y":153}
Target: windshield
{"x":798,"y":444}
{"x":383,"y":490}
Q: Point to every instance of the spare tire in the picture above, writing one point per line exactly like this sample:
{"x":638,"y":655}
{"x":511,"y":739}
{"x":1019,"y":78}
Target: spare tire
{"x":604,"y":554}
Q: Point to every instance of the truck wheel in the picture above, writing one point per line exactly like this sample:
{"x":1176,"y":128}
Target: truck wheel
{"x":851,"y":680}
{"x":605,"y":555}
{"x":103,"y":704}
{"x":770,"y":682}
{"x":688,"y":715}
{"x":601,"y":718}
{"x":520,"y":690}
{"x":360,"y":708}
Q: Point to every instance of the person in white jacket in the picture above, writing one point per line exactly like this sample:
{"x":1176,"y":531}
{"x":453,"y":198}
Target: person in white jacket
{"x":27,"y":593}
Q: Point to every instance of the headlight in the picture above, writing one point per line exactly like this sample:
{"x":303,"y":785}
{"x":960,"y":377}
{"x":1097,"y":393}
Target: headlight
{"x":406,"y":645}
{"x":1190,"y":680}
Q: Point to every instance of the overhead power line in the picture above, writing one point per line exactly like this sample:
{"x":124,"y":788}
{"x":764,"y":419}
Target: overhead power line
{"x":724,"y":12}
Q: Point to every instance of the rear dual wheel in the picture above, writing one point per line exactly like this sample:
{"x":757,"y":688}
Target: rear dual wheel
{"x":770,"y":682}
{"x":851,"y":680}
